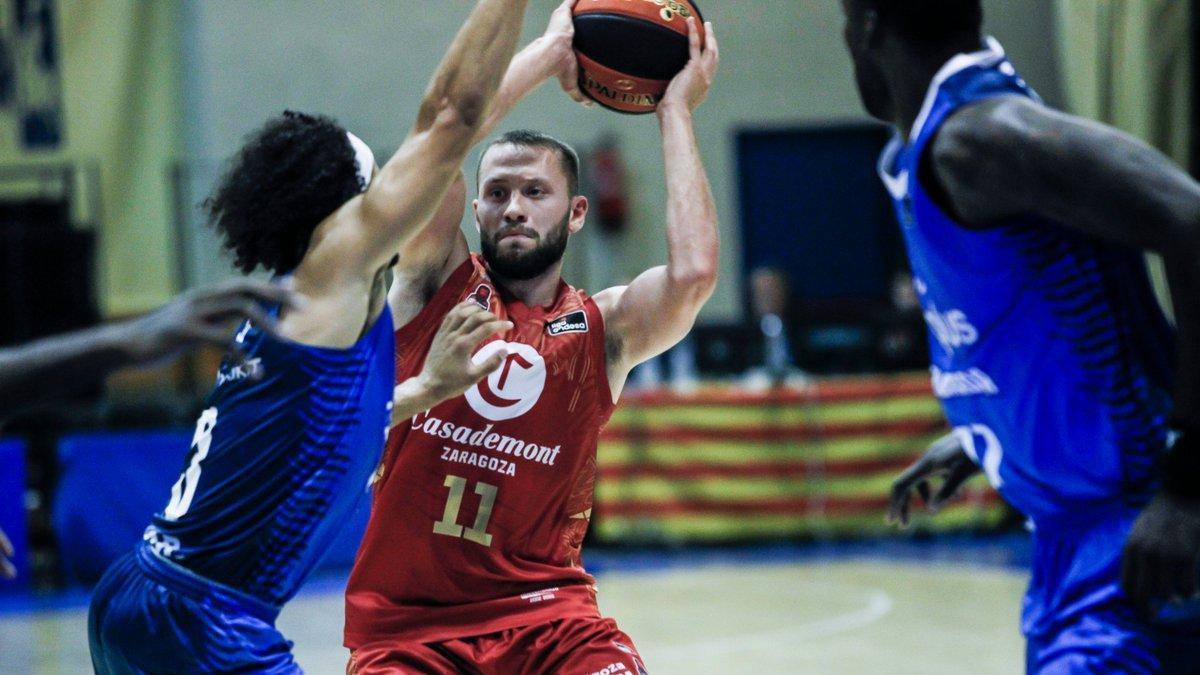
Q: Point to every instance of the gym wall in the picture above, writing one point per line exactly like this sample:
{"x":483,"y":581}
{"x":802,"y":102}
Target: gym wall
{"x":367,"y":62}
{"x":151,"y":85}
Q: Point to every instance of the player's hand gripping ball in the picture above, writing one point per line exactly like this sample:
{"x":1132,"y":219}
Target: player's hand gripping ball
{"x":628,"y":50}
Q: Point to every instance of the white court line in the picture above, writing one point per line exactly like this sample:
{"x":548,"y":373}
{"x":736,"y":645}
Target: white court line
{"x":879,"y":604}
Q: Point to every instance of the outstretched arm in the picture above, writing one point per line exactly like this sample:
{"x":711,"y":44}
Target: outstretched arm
{"x":439,"y":246}
{"x":368,"y":231}
{"x":657,"y":309}
{"x":412,"y":183}
{"x":1013,"y":157}
{"x":41,"y":371}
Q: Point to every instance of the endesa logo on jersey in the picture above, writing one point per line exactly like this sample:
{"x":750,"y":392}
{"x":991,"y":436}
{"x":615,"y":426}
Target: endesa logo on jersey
{"x":514,"y":388}
{"x":575,"y":322}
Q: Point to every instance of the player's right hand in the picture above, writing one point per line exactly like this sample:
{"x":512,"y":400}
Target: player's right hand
{"x":560,"y":41}
{"x":944,"y":459}
{"x":7,"y":570}
{"x":204,"y":316}
{"x":449,"y":369}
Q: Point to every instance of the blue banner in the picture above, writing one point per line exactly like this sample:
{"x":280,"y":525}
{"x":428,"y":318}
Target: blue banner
{"x":12,"y":509}
{"x":110,"y":486}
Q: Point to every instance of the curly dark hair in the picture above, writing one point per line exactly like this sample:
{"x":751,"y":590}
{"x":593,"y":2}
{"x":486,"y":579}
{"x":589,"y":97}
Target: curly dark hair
{"x":288,"y":177}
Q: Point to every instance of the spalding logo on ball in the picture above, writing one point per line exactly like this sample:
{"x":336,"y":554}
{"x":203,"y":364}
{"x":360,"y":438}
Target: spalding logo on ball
{"x":629,"y":50}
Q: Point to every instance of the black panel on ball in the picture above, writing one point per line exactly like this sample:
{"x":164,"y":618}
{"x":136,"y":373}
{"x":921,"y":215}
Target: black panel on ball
{"x":630,"y":45}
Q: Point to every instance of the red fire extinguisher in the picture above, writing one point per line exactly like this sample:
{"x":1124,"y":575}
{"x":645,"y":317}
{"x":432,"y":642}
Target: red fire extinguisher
{"x":608,"y":184}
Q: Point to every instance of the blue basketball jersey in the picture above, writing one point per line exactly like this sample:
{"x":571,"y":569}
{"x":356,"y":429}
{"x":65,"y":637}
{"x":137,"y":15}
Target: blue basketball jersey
{"x":281,"y":458}
{"x":1050,"y":354}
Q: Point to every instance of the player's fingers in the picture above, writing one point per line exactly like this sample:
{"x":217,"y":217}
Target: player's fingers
{"x":478,"y":371}
{"x":1172,"y":578}
{"x":893,"y":513}
{"x":243,"y":309}
{"x":473,"y":320}
{"x":949,"y":488}
{"x":6,"y":547}
{"x":898,"y":501}
{"x":711,"y":49}
{"x":457,"y":315}
{"x":569,"y":81}
{"x":924,"y":490}
{"x":484,"y":330}
{"x":693,"y":40}
{"x":1150,"y":577}
{"x":943,"y":495}
{"x":272,"y":293}
{"x":211,"y":335}
{"x":7,"y":569}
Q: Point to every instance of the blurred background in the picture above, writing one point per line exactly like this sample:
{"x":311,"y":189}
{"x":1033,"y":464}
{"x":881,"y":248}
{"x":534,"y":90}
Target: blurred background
{"x":739,"y":516}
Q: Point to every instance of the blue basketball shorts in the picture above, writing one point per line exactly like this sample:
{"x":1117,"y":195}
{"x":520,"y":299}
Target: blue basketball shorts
{"x":149,"y":615}
{"x":1076,"y":617}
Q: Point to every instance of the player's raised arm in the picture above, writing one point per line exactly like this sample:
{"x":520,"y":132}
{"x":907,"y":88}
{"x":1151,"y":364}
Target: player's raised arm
{"x":1014,"y":157}
{"x":658,"y":308}
{"x":440,"y":244}
{"x":41,"y":371}
{"x":410,"y":186}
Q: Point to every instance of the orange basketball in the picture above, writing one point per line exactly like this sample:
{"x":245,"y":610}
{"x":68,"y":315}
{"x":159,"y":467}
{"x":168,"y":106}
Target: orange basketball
{"x":629,"y":50}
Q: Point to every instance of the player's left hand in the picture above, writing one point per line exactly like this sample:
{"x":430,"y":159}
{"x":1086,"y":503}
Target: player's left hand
{"x":560,"y":56}
{"x":690,"y":87}
{"x":1162,"y":555}
{"x":449,"y":370}
{"x":7,"y":570}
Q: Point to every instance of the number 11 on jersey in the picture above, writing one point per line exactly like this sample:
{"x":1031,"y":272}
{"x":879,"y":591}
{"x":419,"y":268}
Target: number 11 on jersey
{"x":449,"y":526}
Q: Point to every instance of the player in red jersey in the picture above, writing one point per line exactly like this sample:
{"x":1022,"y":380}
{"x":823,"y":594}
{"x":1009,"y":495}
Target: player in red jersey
{"x":471,"y":562}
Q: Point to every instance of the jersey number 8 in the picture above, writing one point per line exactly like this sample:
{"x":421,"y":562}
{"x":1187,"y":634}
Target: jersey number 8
{"x":184,"y":489}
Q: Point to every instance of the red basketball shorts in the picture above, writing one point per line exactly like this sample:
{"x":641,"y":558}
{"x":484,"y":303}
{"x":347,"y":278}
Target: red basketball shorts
{"x":565,"y":647}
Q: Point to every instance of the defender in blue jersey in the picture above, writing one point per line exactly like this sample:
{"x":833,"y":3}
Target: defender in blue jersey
{"x":295,"y":426}
{"x":1065,"y":385}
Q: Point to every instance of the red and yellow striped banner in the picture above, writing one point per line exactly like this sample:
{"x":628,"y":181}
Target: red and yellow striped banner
{"x":724,"y":465}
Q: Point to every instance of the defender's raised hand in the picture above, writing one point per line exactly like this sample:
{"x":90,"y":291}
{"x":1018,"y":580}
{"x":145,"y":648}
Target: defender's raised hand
{"x":204,"y":316}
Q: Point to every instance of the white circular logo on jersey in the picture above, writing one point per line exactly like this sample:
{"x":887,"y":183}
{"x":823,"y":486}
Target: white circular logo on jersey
{"x":516,"y":385}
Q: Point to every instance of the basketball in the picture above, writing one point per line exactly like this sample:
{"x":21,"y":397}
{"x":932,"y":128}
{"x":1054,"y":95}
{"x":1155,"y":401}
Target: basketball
{"x":629,"y":50}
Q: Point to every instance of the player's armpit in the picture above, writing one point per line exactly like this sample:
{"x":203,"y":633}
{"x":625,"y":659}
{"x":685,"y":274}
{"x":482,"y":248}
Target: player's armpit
{"x":435,"y":240}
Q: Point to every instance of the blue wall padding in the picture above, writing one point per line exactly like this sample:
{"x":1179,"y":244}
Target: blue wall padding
{"x":110,"y":486}
{"x":12,"y":510}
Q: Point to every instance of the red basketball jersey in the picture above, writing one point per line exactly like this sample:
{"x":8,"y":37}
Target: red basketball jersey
{"x":483,"y":501}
